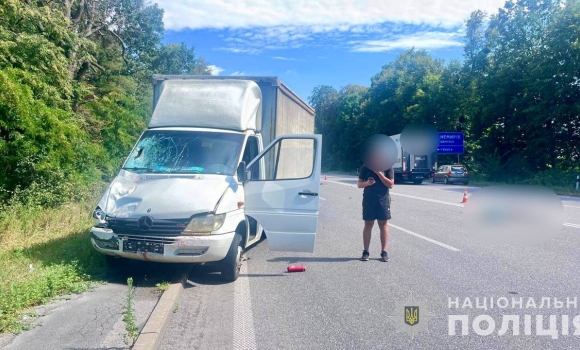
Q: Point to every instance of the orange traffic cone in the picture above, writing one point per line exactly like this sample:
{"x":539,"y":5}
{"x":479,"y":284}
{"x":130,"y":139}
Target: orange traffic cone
{"x":464,"y":196}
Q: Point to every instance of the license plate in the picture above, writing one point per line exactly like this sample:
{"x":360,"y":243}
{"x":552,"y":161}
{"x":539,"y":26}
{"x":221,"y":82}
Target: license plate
{"x":137,"y":246}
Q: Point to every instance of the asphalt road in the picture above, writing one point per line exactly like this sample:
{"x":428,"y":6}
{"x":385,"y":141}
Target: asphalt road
{"x":94,"y":319}
{"x":343,"y":303}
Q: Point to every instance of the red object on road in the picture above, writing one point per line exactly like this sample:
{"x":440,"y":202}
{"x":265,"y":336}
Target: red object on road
{"x":464,"y":196}
{"x":325,"y":178}
{"x":296,"y":268}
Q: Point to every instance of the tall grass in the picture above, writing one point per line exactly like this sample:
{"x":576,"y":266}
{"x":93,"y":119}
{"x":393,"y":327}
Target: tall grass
{"x":44,"y":253}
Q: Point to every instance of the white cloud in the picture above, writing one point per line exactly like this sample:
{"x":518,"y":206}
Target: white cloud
{"x":423,"y":40}
{"x":253,"y":27}
{"x":238,"y":73}
{"x":281,"y":58}
{"x":290,"y":72}
{"x":322,"y":15}
{"x":215,"y":70}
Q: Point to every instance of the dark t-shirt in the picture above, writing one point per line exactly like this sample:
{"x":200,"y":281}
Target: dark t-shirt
{"x":378,"y":189}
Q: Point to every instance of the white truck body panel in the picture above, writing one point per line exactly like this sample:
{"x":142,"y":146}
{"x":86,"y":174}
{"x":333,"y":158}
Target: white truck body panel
{"x":288,"y":208}
{"x":399,"y":163}
{"x":223,"y":104}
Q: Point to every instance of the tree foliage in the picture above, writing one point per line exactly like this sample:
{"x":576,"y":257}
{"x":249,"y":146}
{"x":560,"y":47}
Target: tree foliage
{"x":75,"y":78}
{"x":516,"y":95}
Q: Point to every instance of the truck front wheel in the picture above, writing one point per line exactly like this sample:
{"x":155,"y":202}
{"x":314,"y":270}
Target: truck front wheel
{"x":231,"y":264}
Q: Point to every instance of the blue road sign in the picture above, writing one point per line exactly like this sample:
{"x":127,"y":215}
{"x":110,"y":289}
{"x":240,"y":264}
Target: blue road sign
{"x":450,"y":143}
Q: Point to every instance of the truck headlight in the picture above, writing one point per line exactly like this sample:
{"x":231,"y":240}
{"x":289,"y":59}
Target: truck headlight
{"x":204,"y":225}
{"x":100,"y":217}
{"x":99,"y":214}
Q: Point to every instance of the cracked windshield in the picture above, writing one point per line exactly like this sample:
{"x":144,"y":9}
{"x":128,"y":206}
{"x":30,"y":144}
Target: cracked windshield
{"x":290,"y":174}
{"x":185,"y":152}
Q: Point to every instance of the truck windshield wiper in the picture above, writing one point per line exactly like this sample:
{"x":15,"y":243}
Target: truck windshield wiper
{"x":140,"y":169}
{"x":188,"y":171}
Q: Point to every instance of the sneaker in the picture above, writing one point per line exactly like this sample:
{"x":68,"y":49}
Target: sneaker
{"x":384,"y":256}
{"x":365,"y":256}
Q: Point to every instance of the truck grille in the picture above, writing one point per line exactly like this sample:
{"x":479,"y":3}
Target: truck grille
{"x":148,"y":227}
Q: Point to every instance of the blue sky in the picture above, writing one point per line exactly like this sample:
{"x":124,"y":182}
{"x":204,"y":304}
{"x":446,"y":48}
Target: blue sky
{"x":327,"y":42}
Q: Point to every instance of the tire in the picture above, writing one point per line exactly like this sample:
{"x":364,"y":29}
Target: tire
{"x":418,"y":182}
{"x":466,"y":183}
{"x":446,"y":181}
{"x":231,"y":264}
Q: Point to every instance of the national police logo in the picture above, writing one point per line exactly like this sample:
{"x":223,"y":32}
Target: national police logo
{"x":410,"y":311}
{"x":411,"y":315}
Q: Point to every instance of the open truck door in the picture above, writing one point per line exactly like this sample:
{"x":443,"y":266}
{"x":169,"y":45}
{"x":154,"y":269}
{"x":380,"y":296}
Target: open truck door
{"x":284,"y":200}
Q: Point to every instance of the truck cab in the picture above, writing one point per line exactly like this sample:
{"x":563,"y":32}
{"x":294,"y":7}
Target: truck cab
{"x":213,"y":174}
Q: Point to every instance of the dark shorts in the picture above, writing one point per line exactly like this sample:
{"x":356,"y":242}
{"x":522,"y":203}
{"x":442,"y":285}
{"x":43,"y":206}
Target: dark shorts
{"x":376,"y":208}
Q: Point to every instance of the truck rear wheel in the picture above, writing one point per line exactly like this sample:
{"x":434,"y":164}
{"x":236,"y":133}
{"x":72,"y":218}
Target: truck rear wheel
{"x":418,"y":182}
{"x":231,"y":264}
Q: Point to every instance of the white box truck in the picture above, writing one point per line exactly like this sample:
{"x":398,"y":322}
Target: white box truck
{"x":223,"y":162}
{"x":410,"y":167}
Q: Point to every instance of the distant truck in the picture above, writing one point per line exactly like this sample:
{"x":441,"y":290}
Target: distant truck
{"x":410,"y":167}
{"x":224,"y":161}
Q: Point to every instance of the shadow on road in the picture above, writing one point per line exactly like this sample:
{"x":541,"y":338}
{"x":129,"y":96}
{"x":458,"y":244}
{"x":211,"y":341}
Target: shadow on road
{"x":311,"y":259}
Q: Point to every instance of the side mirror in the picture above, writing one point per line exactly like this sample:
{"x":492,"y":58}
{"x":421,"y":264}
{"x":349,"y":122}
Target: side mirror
{"x":242,"y":174}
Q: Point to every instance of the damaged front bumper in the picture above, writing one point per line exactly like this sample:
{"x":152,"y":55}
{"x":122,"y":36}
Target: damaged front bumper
{"x":179,"y":249}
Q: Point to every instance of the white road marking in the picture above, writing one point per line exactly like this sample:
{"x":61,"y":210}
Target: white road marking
{"x":437,"y":201}
{"x":427,"y":199}
{"x":322,"y":198}
{"x":425,"y":238}
{"x":571,"y":225}
{"x":244,"y":332}
{"x":408,"y":196}
{"x":571,"y":206}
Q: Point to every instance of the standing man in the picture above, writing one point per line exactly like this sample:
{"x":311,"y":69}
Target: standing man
{"x":376,"y":206}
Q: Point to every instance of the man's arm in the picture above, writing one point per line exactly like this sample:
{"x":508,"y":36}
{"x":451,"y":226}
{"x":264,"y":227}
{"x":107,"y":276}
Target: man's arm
{"x":363,"y":179}
{"x":385,"y":180}
{"x":362,"y":184}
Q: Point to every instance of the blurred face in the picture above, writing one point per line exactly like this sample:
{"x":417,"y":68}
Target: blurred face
{"x":377,"y":161}
{"x":380,"y":153}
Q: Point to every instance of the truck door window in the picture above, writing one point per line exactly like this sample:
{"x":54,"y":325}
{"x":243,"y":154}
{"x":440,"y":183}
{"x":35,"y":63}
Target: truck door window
{"x":289,"y":159}
{"x":250,"y":153}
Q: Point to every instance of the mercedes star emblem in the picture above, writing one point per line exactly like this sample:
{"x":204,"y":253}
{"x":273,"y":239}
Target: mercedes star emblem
{"x":145,"y":223}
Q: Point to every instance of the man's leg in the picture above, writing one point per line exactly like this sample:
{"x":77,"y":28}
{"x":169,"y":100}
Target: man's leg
{"x":384,"y":234}
{"x":367,"y":234}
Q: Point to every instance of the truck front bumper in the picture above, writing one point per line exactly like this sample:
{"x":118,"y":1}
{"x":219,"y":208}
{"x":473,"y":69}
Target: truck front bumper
{"x":180,"y":249}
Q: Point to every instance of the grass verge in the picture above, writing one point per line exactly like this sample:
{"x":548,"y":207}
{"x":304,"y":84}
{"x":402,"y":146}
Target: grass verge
{"x":44,"y":253}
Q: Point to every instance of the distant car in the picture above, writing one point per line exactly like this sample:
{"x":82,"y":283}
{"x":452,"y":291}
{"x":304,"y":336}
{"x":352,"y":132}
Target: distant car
{"x":450,"y":174}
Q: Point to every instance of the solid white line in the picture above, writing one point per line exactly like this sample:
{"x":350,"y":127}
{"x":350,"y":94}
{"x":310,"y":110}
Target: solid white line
{"x":244,"y":332}
{"x":437,"y":201}
{"x":427,"y":199}
{"x":571,"y":206}
{"x":571,"y":225}
{"x":425,"y":238}
{"x":322,"y":198}
{"x":408,"y":196}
